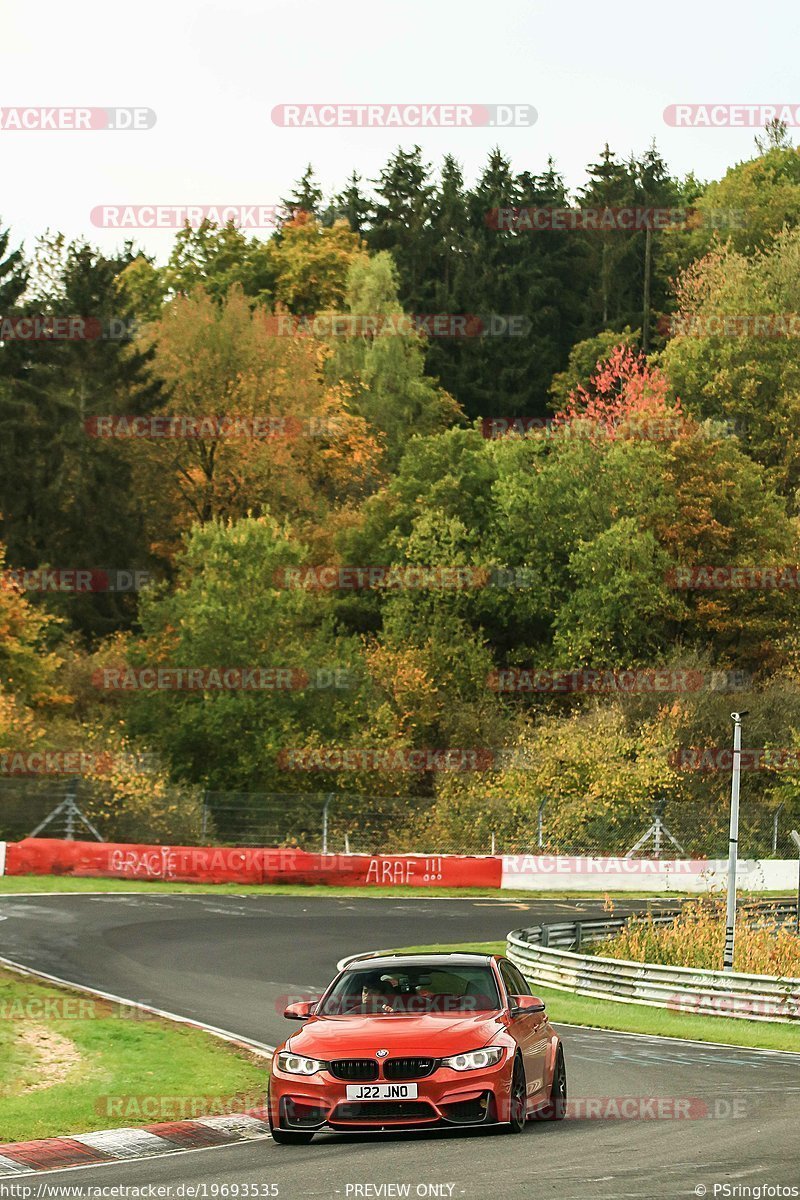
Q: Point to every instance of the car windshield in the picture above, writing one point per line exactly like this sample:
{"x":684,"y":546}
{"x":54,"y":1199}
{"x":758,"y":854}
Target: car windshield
{"x":413,"y":989}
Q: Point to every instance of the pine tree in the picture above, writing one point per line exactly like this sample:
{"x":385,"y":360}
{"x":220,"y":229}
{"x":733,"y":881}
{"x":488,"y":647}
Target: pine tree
{"x":611,"y":185}
{"x":306,"y":197}
{"x":65,"y":497}
{"x":353,"y":206}
{"x":403,"y":216}
{"x":451,"y":233}
{"x":654,"y":188}
{"x":13,"y":273}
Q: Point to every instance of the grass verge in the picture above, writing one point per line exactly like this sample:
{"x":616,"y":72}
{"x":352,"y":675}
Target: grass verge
{"x":72,"y":1064}
{"x":14,"y":884}
{"x":568,"y":1009}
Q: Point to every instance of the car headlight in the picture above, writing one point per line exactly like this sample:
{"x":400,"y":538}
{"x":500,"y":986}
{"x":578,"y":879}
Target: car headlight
{"x":474,"y":1060}
{"x":298,"y":1064}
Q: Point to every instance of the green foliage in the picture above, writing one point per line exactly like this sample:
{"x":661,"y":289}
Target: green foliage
{"x":598,"y":777}
{"x":216,"y":259}
{"x":134,"y":802}
{"x":621,"y":602}
{"x":230,"y":609}
{"x":385,"y":373}
{"x":749,"y":378}
{"x":13,"y":273}
{"x":312,"y":262}
{"x":752,"y":202}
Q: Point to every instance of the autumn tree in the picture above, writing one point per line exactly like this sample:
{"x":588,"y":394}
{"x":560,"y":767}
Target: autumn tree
{"x":28,"y":658}
{"x":311,"y":264}
{"x":268,"y":433}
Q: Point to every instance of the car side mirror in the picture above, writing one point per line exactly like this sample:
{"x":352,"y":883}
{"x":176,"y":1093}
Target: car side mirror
{"x":300,"y":1011}
{"x":527,"y":1004}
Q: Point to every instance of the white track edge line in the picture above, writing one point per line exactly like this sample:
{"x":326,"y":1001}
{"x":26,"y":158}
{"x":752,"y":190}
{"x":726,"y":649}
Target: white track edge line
{"x":663,"y":1037}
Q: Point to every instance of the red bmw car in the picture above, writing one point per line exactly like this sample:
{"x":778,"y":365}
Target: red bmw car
{"x":415,"y":1042}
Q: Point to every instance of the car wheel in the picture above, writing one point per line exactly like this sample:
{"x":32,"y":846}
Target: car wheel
{"x":556,"y":1107}
{"x":518,"y":1100}
{"x":286,"y":1137}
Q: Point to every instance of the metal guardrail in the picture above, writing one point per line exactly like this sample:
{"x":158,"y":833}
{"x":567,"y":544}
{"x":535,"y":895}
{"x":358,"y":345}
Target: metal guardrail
{"x":545,"y":956}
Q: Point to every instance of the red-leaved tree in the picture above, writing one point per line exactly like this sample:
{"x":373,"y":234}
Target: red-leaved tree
{"x":626,"y":397}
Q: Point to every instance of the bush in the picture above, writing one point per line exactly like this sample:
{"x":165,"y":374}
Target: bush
{"x":697,"y":939}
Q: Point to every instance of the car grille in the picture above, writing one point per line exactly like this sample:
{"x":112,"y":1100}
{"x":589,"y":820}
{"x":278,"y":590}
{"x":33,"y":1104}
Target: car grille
{"x":375,"y":1111}
{"x":408,"y":1068}
{"x":354,"y":1068}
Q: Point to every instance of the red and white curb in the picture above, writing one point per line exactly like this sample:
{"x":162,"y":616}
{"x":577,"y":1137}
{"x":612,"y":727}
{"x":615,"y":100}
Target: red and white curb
{"x":118,"y":1145}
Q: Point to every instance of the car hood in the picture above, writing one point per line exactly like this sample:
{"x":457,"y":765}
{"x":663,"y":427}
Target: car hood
{"x":424,"y":1034}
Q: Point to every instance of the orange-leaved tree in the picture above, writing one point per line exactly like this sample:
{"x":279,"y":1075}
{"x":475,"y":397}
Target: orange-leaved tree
{"x":255,"y":425}
{"x":626,"y":396}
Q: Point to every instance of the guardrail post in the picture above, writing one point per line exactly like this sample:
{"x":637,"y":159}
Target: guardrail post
{"x":578,"y":935}
{"x":544,"y":936}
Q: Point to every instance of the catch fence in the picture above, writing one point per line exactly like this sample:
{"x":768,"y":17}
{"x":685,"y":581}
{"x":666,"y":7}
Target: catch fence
{"x":339,"y":822}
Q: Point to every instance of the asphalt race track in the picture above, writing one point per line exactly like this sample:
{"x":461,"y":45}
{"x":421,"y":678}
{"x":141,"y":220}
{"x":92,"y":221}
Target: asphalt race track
{"x":230,"y":960}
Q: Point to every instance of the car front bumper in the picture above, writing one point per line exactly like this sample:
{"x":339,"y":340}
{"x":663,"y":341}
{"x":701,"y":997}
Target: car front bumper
{"x":444,"y":1098}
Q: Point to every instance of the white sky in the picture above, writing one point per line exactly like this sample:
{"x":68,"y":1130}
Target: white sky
{"x":213,"y":71}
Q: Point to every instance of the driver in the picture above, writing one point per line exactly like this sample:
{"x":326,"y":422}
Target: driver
{"x":377,"y":994}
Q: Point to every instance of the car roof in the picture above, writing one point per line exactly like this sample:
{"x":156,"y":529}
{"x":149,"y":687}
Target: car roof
{"x":461,"y":959}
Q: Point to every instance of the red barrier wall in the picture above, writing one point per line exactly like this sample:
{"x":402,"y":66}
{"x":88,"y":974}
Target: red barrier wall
{"x":50,"y":856}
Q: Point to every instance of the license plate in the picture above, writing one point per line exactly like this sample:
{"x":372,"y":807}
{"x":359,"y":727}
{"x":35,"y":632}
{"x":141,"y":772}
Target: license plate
{"x":381,"y":1091}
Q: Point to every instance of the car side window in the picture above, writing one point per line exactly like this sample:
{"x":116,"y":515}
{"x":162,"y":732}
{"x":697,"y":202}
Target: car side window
{"x":514,"y":980}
